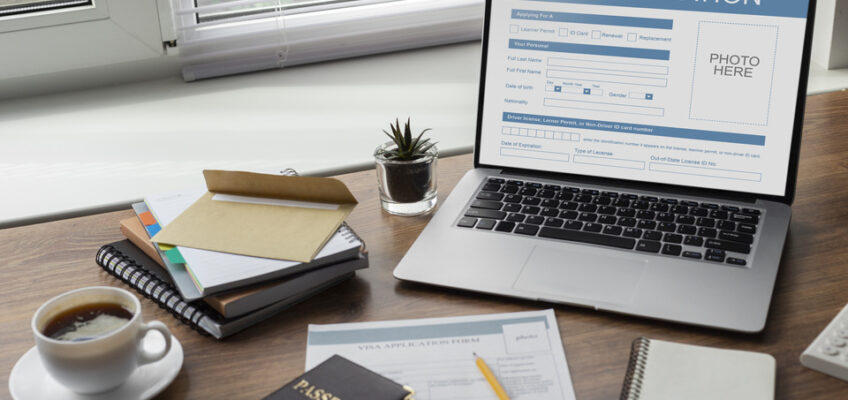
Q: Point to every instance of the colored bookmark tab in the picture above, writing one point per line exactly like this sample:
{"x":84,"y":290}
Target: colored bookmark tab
{"x":165,"y":247}
{"x":152,"y":230}
{"x":147,"y":218}
{"x":175,"y":256}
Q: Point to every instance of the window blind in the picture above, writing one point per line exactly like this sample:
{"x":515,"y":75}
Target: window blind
{"x":237,"y":36}
{"x":14,"y":7}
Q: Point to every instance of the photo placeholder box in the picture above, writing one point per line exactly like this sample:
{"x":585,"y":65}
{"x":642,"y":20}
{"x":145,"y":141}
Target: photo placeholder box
{"x":733,"y":78}
{"x":527,"y":337}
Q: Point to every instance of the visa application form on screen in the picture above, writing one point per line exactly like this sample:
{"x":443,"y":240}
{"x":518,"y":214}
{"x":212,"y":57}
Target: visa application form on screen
{"x":688,"y":92}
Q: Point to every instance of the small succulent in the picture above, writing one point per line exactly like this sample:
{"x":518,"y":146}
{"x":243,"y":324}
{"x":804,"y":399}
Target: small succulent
{"x":407,"y":148}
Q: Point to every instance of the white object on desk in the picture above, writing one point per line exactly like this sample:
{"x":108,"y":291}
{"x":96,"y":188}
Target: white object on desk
{"x":435,"y":356}
{"x":30,"y":381}
{"x":829,"y":352}
{"x":273,"y":202}
{"x":661,"y":370}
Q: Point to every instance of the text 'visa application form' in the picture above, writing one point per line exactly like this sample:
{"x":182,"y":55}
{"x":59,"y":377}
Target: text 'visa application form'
{"x":434,"y":356}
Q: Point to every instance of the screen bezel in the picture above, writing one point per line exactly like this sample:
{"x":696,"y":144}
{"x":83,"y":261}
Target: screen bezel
{"x":794,"y":154}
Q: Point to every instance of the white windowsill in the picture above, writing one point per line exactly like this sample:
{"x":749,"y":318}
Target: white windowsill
{"x":82,"y":152}
{"x":823,"y":80}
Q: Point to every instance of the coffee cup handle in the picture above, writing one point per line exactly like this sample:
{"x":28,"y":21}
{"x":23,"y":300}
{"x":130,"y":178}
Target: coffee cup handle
{"x":147,"y":357}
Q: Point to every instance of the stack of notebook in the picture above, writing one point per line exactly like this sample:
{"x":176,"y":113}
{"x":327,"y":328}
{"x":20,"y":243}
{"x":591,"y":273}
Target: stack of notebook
{"x":220,"y":293}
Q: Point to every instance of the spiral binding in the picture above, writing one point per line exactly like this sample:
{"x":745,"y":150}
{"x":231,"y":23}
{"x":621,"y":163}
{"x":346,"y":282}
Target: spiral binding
{"x":151,"y":287}
{"x":632,"y":387}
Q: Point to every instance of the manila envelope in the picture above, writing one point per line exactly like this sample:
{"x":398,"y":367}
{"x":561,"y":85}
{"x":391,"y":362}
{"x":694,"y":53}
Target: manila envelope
{"x":262,"y":215}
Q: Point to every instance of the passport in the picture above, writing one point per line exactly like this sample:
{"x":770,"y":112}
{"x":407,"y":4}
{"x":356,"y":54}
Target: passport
{"x":338,"y":378}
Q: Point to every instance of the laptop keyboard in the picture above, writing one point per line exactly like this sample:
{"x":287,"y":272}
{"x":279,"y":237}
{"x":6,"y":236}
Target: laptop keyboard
{"x":668,"y":226}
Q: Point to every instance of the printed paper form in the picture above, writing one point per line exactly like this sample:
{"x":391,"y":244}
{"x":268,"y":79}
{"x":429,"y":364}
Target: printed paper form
{"x":212,"y":268}
{"x":434,"y":356}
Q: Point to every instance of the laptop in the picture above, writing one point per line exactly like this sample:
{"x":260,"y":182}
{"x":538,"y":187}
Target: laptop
{"x":637,"y":157}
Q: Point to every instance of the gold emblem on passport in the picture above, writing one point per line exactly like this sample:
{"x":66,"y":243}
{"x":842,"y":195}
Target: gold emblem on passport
{"x":312,"y":392}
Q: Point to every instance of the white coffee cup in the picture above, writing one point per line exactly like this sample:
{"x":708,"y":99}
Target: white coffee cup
{"x":103,"y":363}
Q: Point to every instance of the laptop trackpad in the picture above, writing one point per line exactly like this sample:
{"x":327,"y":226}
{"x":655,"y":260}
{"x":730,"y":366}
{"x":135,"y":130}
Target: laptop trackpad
{"x":591,"y":276}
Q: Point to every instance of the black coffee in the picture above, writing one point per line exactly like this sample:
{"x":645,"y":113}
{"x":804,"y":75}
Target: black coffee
{"x":88,"y":321}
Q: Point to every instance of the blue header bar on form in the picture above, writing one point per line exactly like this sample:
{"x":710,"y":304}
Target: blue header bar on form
{"x":591,"y":49}
{"x":612,"y":20}
{"x":774,"y":8}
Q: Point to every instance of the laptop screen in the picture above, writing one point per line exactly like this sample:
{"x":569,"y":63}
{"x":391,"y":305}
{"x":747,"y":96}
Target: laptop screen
{"x":685,"y":92}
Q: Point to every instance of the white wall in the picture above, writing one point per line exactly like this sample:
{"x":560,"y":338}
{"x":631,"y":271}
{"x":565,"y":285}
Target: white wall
{"x":830,"y":40}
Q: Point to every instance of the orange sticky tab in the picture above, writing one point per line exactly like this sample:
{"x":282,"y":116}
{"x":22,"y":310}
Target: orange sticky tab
{"x":147,"y":218}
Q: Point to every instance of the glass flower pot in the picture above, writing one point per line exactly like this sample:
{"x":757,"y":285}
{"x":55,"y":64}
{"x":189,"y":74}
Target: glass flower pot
{"x":406,"y":187}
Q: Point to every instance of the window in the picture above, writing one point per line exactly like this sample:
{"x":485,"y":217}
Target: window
{"x":228,"y":9}
{"x":13,"y":7}
{"x":70,"y":35}
{"x":213,"y":37}
{"x":223,"y":37}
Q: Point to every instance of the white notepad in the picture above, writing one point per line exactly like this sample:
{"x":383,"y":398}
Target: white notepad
{"x":661,"y":370}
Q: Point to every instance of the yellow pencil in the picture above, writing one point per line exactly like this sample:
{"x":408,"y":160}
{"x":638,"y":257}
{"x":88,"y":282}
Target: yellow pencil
{"x":490,"y":377}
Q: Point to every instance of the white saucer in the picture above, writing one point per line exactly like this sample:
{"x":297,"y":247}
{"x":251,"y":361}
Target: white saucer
{"x":29,"y":380}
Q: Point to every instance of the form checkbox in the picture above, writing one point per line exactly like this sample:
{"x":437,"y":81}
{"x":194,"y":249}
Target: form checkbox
{"x":563,"y":32}
{"x":631,"y":37}
{"x":596,"y":34}
{"x":513,"y":29}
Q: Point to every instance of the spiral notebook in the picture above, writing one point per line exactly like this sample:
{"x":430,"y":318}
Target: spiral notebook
{"x":129,"y":264}
{"x":198,"y":273}
{"x":249,"y":298}
{"x":661,"y":370}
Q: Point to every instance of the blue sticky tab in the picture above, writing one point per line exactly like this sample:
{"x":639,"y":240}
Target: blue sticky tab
{"x":152,"y":230}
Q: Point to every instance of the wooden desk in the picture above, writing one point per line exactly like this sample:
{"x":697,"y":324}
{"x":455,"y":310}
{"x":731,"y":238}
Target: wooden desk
{"x":40,"y":261}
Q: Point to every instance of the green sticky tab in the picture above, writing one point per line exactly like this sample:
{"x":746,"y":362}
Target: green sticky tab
{"x":175,"y":256}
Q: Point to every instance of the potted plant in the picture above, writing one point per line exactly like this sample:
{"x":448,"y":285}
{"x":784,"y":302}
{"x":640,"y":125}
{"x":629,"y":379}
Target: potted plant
{"x":406,"y":171}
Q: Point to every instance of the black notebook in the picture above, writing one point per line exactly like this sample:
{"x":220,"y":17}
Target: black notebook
{"x":129,"y":264}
